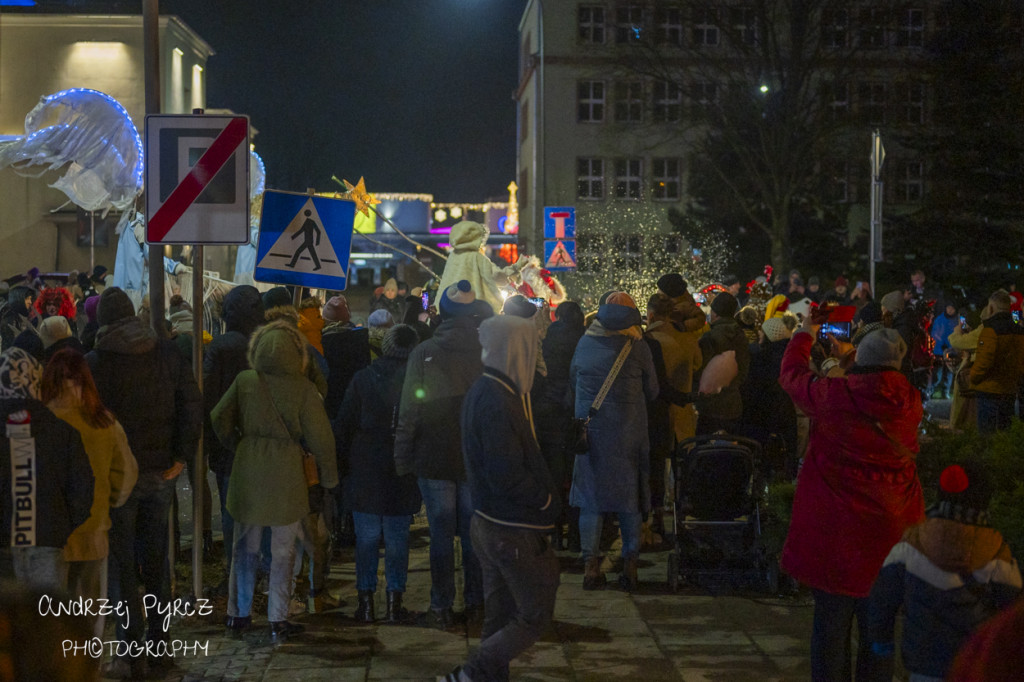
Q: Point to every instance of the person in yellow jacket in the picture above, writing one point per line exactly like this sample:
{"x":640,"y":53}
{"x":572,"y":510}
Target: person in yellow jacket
{"x":70,"y":392}
{"x":998,"y":364}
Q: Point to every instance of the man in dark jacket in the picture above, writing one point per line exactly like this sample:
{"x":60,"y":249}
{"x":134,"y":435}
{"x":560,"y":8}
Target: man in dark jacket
{"x":51,"y":493}
{"x":428,"y":443}
{"x":150,"y":388}
{"x":514,"y":497}
{"x":223,"y":359}
{"x":723,"y":410}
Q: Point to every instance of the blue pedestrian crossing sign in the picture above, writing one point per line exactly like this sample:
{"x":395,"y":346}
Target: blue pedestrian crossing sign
{"x":304,"y":240}
{"x":559,"y":254}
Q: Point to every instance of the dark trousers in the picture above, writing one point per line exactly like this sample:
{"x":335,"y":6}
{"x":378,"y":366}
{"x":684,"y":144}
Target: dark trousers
{"x":520,"y":572}
{"x":138,"y":540}
{"x":994,"y":411}
{"x":831,"y":650}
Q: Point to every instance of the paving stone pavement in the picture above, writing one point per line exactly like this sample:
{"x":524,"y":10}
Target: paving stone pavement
{"x":651,"y":635}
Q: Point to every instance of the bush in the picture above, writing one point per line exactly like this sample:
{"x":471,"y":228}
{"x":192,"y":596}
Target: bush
{"x":1002,"y":453}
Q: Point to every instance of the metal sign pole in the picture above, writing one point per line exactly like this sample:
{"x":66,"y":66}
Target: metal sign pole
{"x":199,"y":475}
{"x":875,"y":247}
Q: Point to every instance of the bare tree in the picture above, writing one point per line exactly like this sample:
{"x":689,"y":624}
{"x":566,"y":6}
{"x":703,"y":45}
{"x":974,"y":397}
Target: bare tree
{"x":766,"y":88}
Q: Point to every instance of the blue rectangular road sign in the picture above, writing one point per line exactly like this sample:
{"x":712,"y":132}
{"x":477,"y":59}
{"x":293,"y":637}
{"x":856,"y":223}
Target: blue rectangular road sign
{"x":559,"y":222}
{"x":304,"y":240}
{"x":560,"y":254}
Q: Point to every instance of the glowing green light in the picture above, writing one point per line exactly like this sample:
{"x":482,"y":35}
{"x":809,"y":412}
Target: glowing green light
{"x":764,"y":88}
{"x":420,"y":394}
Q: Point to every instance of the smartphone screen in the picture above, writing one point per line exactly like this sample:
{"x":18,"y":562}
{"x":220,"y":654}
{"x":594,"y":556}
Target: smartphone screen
{"x":840,"y":330}
{"x":425,"y":298}
{"x":537,"y":301}
{"x":1016,"y":316}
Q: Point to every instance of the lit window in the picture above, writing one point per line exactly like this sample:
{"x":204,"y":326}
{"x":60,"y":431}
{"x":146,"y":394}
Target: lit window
{"x":590,"y":101}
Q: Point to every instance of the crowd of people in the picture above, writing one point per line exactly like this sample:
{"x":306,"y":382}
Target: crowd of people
{"x":520,"y":429}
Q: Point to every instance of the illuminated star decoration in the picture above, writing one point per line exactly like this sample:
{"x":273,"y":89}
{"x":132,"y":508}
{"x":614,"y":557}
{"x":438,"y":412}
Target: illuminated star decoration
{"x":364,"y":200}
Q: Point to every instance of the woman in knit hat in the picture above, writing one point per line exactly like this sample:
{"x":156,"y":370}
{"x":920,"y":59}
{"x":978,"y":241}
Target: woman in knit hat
{"x":382,"y":501}
{"x":857,"y":490}
{"x":613,"y":475}
{"x":949,"y":574}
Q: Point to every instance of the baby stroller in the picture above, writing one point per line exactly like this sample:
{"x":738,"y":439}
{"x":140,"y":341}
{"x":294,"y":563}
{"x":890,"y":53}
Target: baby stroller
{"x":719,"y":488}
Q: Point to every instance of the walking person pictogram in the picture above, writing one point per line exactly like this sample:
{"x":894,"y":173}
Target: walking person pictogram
{"x":309,"y":231}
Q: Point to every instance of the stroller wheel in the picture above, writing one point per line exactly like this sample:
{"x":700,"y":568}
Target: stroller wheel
{"x":673,"y":571}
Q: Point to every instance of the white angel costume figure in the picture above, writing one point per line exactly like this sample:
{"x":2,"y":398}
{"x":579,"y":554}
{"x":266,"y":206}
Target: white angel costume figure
{"x":467,"y":261}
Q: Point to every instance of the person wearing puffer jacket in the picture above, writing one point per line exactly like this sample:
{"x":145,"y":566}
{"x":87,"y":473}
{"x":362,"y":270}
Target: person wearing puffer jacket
{"x":268,"y":417}
{"x":614,"y":475}
{"x":949,"y":574}
{"x":856,"y":492}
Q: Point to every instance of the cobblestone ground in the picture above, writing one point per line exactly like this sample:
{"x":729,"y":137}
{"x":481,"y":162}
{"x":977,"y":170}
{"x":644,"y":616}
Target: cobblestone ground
{"x":651,"y":635}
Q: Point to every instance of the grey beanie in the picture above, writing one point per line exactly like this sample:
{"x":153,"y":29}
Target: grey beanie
{"x":114,"y":305}
{"x":893,"y":302}
{"x":881,"y":348}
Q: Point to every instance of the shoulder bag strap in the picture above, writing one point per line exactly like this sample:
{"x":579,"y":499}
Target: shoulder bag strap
{"x":277,"y":413}
{"x":607,"y":385}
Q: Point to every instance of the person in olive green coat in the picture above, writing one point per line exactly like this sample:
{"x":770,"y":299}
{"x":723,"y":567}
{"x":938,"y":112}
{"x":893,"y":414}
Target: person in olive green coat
{"x":264,"y":416}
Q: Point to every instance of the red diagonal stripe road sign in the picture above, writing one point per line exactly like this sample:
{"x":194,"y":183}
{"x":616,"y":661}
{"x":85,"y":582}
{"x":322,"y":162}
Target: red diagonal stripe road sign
{"x":193,"y":184}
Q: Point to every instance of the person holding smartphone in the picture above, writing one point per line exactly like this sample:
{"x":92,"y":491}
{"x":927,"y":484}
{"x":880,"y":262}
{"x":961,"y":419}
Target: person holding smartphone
{"x":942,"y":326}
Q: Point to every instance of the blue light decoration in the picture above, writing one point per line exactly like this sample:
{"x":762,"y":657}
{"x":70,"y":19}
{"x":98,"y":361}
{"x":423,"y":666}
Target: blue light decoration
{"x":89,"y":132}
{"x":17,"y":3}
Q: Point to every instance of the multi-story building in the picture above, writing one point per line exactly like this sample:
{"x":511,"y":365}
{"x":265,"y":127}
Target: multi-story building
{"x":615,"y":98}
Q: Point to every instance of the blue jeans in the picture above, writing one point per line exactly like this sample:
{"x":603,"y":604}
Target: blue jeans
{"x":450,"y":511}
{"x":591,"y":524}
{"x":227,"y":524}
{"x":994,"y":411}
{"x":395,"y":529}
{"x":138,"y":539}
{"x":41,"y":568}
{"x":242,"y":584}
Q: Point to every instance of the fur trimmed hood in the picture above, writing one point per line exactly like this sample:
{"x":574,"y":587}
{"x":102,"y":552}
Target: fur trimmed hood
{"x":278,"y":348}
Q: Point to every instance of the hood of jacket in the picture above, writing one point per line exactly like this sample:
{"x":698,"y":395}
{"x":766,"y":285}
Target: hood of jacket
{"x":467,"y":236}
{"x":457,"y":333}
{"x":242,"y":309}
{"x":127,"y":336}
{"x":20,"y":374}
{"x":957,"y":547}
{"x":278,"y":348}
{"x":509,"y":345}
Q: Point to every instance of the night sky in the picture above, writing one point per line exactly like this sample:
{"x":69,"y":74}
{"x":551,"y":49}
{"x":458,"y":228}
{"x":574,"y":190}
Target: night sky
{"x":415,"y":95}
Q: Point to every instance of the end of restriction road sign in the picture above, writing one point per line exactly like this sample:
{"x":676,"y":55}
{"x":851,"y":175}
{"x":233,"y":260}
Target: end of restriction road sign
{"x":197,"y":179}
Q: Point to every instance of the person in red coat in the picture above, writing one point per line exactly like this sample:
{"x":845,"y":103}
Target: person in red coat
{"x":857,"y":492}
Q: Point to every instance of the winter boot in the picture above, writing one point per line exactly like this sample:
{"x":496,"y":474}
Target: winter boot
{"x":628,"y":578}
{"x":395,"y":612}
{"x":364,"y":611}
{"x":593,"y":578}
